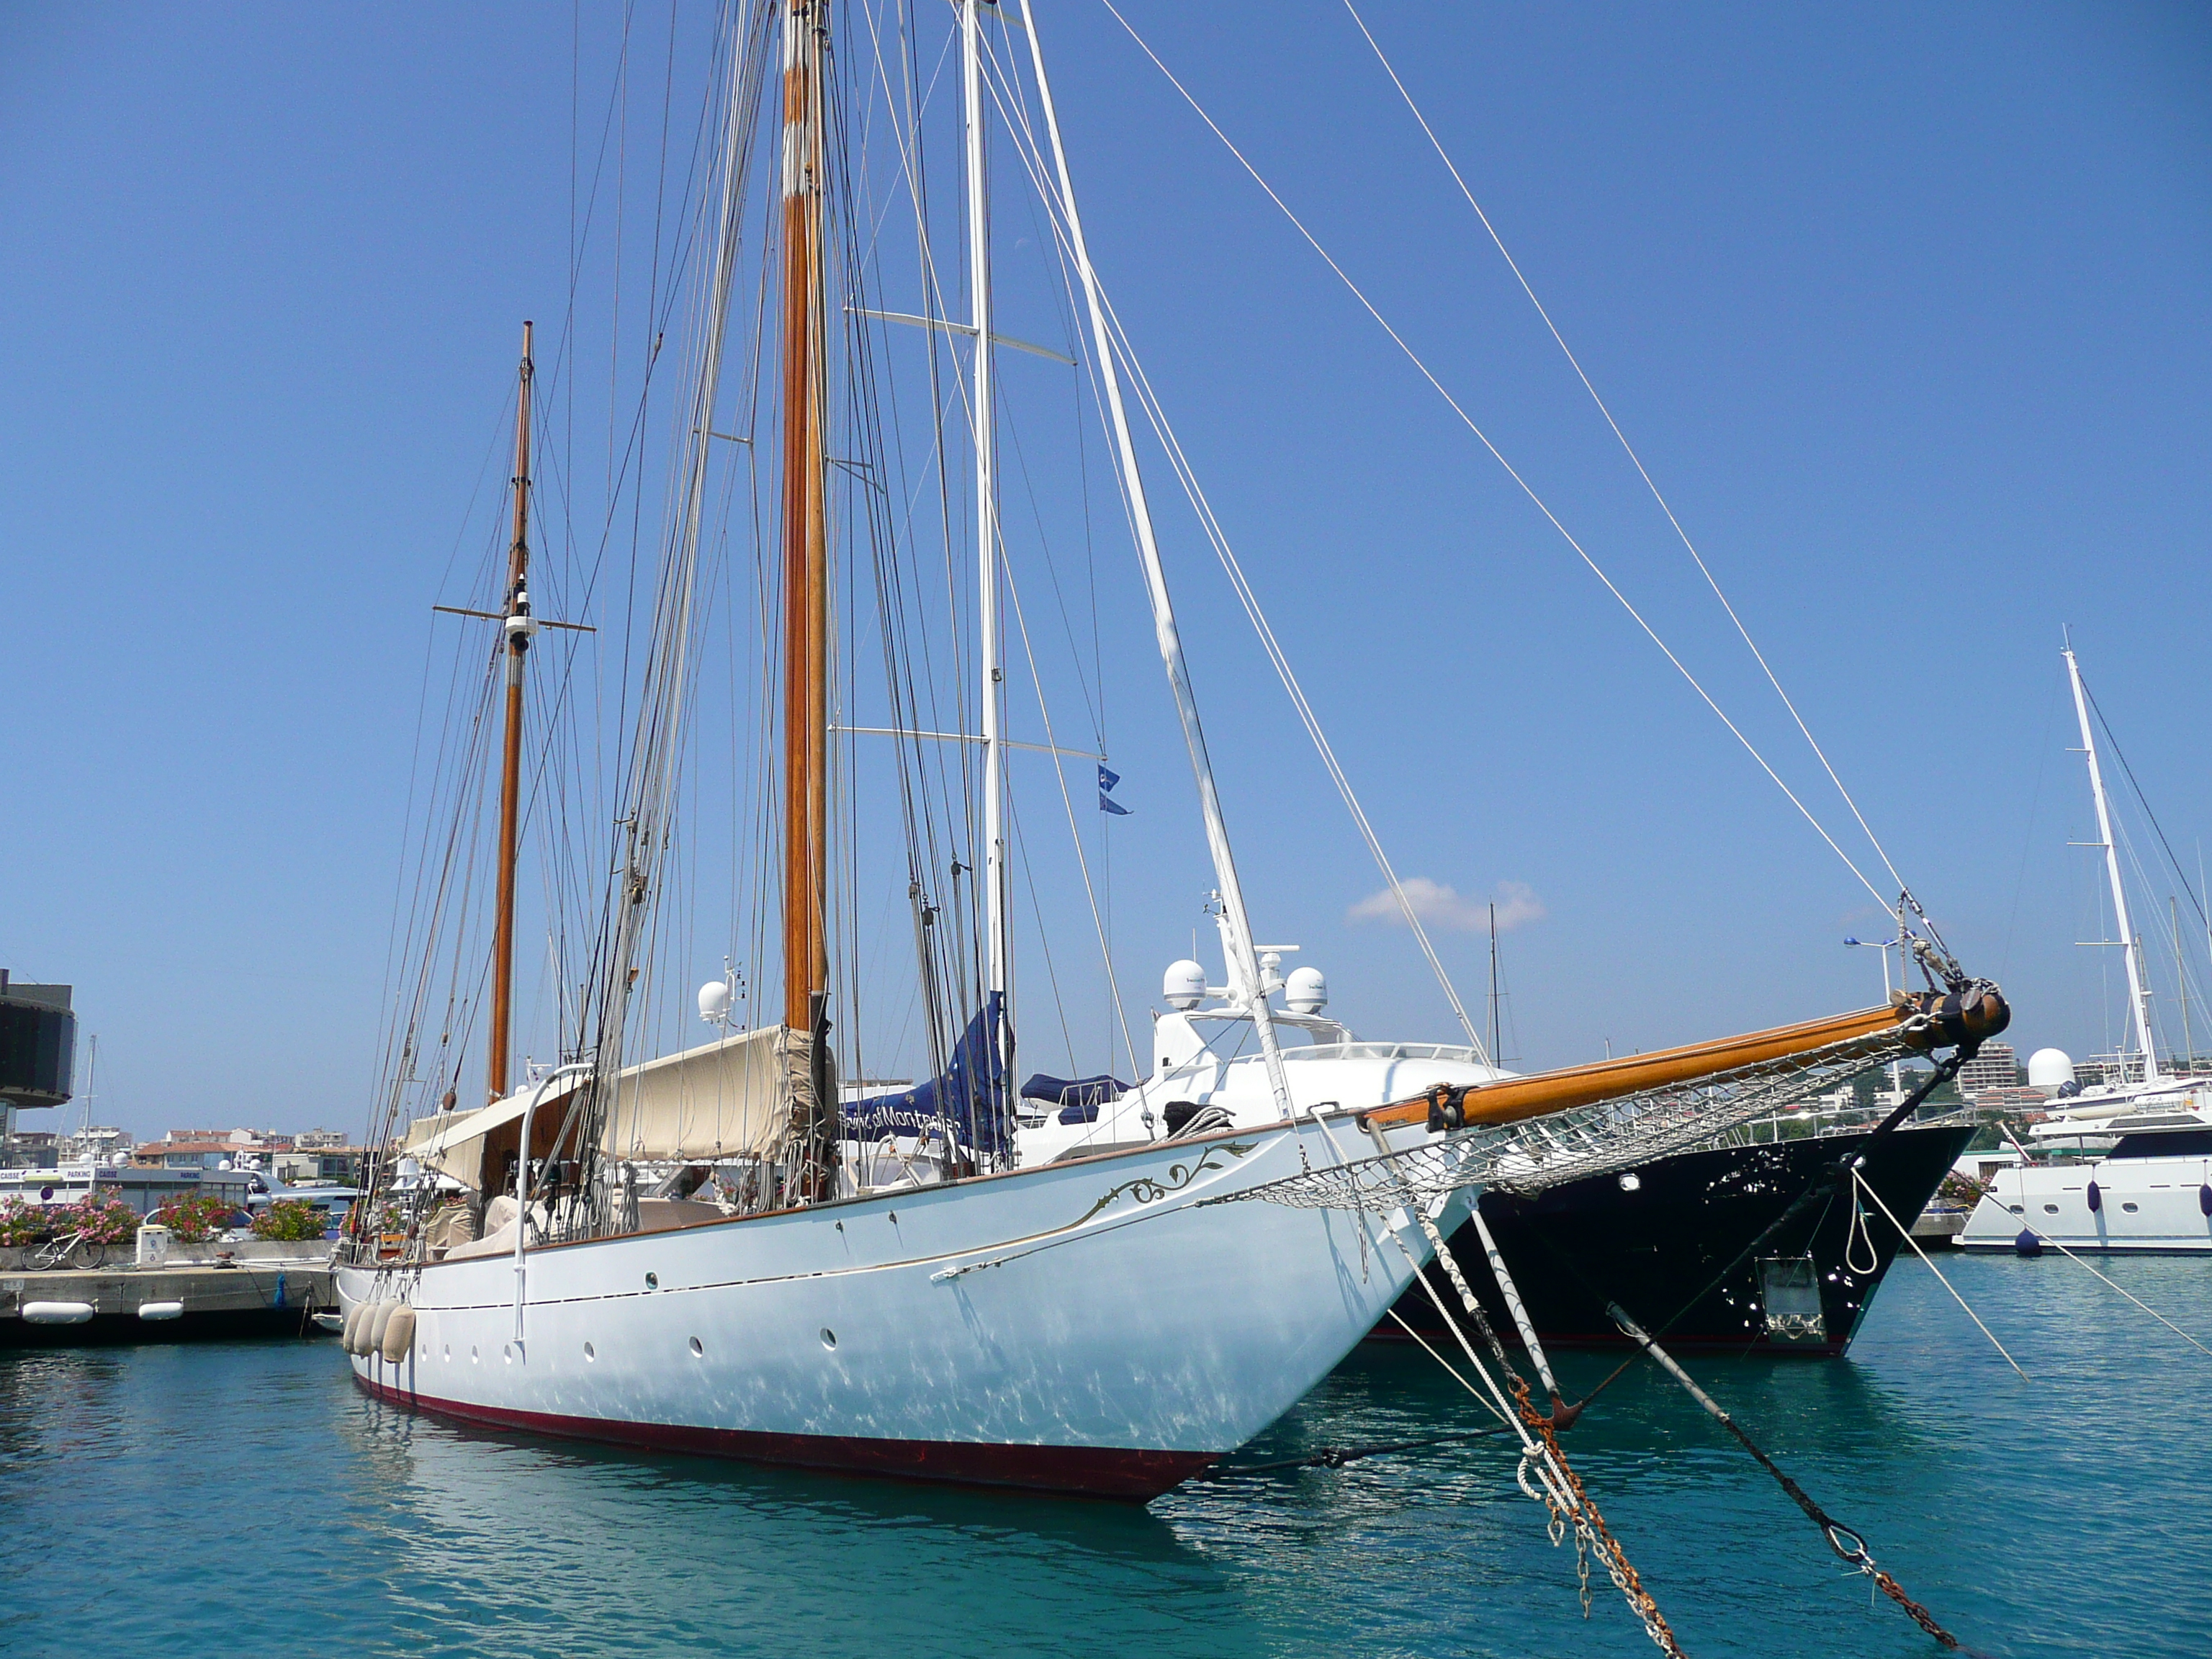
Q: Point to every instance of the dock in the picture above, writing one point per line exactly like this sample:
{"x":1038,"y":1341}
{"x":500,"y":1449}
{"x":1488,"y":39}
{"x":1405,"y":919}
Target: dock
{"x":1941,"y":1225}
{"x":177,"y":1302}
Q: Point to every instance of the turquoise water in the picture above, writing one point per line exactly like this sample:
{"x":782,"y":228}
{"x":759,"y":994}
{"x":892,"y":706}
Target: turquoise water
{"x":246,"y":1499}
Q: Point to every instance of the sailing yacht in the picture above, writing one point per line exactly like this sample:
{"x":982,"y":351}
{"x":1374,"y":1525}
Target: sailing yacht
{"x":2151,"y":1188}
{"x":726,"y":1248}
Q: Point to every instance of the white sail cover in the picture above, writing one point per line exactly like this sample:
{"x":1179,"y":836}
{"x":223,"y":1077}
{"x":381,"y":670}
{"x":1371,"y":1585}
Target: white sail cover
{"x":729,"y":1098}
{"x":726,"y":1099}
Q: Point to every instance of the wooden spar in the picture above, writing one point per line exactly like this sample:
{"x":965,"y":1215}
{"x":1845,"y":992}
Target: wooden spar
{"x":805,"y":574}
{"x":1516,"y":1098}
{"x":510,"y":779}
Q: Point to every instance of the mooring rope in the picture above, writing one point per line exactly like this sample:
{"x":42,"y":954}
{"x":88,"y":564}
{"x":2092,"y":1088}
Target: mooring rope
{"x":1848,"y":1544}
{"x":2045,"y":1238}
{"x":1860,"y":1183}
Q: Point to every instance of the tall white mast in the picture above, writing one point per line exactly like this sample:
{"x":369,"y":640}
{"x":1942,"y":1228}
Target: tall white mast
{"x":2130,"y":949}
{"x":1244,"y":964}
{"x":987,"y":514}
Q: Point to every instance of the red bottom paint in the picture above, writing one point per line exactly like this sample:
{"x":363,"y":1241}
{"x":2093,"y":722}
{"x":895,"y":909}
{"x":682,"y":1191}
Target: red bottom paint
{"x":1081,"y":1471}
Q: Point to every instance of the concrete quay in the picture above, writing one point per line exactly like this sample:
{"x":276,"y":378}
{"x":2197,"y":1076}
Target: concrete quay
{"x":176,"y":1301}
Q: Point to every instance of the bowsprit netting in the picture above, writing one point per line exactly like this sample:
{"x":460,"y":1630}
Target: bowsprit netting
{"x":1587,"y":1140}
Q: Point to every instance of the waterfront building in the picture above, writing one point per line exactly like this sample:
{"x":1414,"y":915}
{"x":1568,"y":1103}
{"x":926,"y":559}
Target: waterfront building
{"x":337,"y":1163}
{"x":38,"y":1053}
{"x":1995,"y":1067}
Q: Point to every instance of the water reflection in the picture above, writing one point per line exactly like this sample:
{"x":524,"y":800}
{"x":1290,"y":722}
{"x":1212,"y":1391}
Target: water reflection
{"x":491,"y":1537}
{"x":164,"y":1500}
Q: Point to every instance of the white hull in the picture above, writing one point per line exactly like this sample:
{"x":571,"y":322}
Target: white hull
{"x":1123,"y":1337}
{"x":2151,"y":1204}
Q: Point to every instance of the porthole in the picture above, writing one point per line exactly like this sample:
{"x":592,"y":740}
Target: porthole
{"x":447,"y":1355}
{"x":2130,"y":1208}
{"x":828,"y":1337}
{"x":590,"y":1352}
{"x":652,"y":1281}
{"x":1630,"y":1181}
{"x":507,"y":1353}
{"x":2051,"y":1209}
{"x":698,"y":1348}
{"x":474,"y":1358}
{"x":2017,"y":1209}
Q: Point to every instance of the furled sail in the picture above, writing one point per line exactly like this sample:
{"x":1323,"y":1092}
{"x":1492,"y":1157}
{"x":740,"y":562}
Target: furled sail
{"x":729,"y":1098}
{"x":970,"y":1100}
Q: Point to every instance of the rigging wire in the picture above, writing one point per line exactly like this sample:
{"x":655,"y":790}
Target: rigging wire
{"x":1083,"y":863}
{"x":1497,"y":454}
{"x":1627,"y":448}
{"x":1033,"y":160}
{"x":2119,"y":756}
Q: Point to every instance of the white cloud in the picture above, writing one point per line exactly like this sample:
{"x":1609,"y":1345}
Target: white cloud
{"x":1442,"y":907}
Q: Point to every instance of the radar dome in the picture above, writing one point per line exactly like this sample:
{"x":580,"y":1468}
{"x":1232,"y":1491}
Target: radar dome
{"x":1184,"y":984}
{"x":715,"y":1000}
{"x":1306,"y":990}
{"x":2050,"y":1068}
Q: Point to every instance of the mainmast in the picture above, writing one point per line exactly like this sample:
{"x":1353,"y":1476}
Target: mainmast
{"x":806,"y":558}
{"x":987,"y":525}
{"x":2130,"y":947}
{"x":518,"y":628}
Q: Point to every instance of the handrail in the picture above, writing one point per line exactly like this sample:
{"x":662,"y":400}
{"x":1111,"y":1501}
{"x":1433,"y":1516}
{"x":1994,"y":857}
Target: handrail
{"x":574,"y":1068}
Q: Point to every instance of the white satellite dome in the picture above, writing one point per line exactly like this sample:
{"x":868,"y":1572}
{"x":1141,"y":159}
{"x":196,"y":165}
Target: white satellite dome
{"x":1183,"y":985}
{"x":1306,"y":990}
{"x":715,"y":998}
{"x":2050,"y":1068}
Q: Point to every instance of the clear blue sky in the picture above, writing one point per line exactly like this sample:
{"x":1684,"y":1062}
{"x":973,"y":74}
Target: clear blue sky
{"x":1906,"y":309}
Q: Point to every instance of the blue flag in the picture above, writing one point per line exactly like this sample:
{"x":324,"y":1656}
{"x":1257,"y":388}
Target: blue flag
{"x":1107,"y":778}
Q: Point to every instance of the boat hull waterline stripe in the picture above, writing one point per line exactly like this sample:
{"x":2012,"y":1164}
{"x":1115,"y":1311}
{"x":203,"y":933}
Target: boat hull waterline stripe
{"x":1121,"y":1472}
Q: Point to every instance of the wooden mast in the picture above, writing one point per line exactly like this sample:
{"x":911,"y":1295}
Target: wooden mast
{"x":805,"y":559}
{"x":517,"y":632}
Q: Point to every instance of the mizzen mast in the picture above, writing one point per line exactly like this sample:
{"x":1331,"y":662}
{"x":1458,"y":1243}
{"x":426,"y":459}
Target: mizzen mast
{"x":518,"y":629}
{"x":806,"y":558}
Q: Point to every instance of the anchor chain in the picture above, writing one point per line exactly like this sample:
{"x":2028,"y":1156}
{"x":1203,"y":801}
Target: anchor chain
{"x":1592,"y":1533}
{"x":1590,"y":1530}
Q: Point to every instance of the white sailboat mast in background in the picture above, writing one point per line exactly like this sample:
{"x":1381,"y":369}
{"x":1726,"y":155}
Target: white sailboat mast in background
{"x":2130,"y":947}
{"x":986,"y":530}
{"x":1247,"y":984}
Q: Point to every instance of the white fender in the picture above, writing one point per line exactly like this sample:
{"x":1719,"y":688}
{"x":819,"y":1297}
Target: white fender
{"x":398,"y":1334}
{"x":57,"y":1313}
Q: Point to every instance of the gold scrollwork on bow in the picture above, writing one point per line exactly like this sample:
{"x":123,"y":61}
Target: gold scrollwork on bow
{"x":1147,"y":1189}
